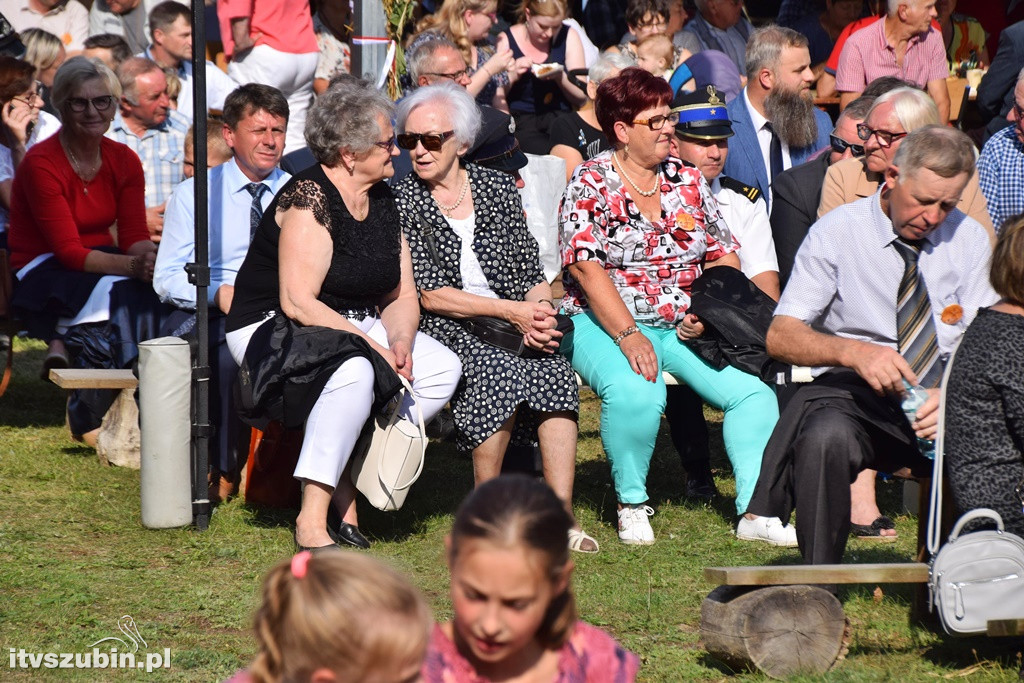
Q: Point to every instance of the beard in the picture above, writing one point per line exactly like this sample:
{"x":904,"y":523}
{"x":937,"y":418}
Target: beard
{"x":792,"y":116}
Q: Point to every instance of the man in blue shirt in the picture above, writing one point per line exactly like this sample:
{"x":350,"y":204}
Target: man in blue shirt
{"x":1001,"y":165}
{"x":255,"y":123}
{"x":146,"y":123}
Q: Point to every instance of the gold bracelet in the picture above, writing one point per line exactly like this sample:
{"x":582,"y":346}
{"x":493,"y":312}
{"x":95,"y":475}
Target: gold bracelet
{"x":632,"y":329}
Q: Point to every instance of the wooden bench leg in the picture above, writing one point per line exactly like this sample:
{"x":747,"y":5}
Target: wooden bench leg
{"x":778,"y":630}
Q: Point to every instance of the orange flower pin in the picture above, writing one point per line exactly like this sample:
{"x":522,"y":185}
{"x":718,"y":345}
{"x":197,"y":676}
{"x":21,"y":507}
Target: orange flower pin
{"x":685,"y":221}
{"x":952,"y":314}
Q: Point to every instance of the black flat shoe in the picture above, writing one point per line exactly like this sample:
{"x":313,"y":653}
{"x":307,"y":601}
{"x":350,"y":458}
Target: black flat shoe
{"x":701,"y":489}
{"x":318,"y":549}
{"x":343,"y":532}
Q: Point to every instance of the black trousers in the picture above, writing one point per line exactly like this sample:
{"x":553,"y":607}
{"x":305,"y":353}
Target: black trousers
{"x":231,"y":435}
{"x":829,"y":431}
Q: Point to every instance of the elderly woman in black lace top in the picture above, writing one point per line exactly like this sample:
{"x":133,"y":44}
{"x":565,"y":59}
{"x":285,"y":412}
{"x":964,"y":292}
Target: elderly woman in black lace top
{"x":325,"y":310}
{"x":474,"y":256}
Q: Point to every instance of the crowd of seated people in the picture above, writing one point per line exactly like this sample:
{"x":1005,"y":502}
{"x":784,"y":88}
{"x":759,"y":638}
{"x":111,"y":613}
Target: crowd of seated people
{"x":819,"y":211}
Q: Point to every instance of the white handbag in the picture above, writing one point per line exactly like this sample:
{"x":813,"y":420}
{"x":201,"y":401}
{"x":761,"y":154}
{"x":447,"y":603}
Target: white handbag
{"x":389,"y":456}
{"x":975,"y":577}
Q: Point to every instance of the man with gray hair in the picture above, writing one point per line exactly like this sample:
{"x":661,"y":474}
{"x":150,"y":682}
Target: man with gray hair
{"x":436,"y":60}
{"x":880,"y":293}
{"x":903,"y":44}
{"x":1001,"y":165}
{"x":154,"y":131}
{"x":720,"y":25}
{"x":240,"y":190}
{"x":774,"y":118}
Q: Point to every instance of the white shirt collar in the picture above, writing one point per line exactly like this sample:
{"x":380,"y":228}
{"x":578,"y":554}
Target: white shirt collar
{"x":755,"y":116}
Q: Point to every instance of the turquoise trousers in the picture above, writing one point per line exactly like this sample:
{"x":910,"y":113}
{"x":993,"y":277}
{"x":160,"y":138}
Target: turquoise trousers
{"x":631,"y":407}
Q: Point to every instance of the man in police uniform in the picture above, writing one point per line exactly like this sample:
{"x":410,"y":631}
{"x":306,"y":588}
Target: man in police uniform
{"x":702,"y":139}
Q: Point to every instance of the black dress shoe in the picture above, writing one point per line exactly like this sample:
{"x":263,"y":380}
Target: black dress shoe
{"x":343,"y":532}
{"x":701,"y":488}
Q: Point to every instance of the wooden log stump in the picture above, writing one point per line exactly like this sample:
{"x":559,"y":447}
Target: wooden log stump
{"x":120,"y":441}
{"x":779,"y":630}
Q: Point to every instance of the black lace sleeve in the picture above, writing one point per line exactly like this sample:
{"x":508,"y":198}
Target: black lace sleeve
{"x":309,"y":196}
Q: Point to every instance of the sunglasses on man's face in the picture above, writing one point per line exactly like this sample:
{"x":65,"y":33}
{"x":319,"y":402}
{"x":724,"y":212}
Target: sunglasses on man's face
{"x":839,"y":146}
{"x":432,"y":142}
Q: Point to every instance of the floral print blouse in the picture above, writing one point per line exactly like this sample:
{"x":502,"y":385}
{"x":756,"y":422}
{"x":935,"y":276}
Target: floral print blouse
{"x":652,"y":265}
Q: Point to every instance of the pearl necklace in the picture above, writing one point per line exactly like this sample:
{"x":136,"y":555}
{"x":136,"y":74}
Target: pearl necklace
{"x":447,"y":210}
{"x":77,"y":168}
{"x":643,"y":193}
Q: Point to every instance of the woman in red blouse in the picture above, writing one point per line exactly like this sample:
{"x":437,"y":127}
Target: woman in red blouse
{"x":77,"y":213}
{"x":637,"y":228}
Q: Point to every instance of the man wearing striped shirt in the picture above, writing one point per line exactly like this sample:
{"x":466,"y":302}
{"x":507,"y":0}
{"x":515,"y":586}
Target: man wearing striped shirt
{"x":881,"y":291}
{"x":154,"y":131}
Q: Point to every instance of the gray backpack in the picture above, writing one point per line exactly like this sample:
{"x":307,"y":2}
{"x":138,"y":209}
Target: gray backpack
{"x":975,"y":577}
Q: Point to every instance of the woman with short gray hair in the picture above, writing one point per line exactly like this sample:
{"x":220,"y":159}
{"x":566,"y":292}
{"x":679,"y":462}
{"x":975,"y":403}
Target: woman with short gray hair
{"x":475,"y":262}
{"x":346,"y":116}
{"x":325,"y":310}
{"x":576,"y":135}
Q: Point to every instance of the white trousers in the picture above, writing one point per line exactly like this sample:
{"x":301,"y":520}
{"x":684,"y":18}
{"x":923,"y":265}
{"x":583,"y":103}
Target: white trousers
{"x":292,"y":74}
{"x":338,"y":416}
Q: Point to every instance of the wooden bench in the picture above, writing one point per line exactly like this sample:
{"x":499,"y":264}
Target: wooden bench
{"x":770,"y":619}
{"x":119,"y":440}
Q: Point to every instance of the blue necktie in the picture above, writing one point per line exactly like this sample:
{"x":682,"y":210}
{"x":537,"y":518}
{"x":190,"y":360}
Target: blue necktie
{"x":256,"y":210}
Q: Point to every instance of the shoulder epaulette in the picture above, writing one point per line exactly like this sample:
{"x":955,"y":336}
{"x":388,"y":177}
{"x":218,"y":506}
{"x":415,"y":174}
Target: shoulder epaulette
{"x":751,"y":193}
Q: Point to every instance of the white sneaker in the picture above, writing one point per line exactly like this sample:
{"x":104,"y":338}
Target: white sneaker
{"x":634,"y":529}
{"x":771,"y":530}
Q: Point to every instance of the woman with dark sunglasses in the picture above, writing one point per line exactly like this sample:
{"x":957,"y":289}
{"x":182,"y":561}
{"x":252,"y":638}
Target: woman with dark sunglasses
{"x":637,"y":227}
{"x":324,"y":317}
{"x":474,"y":257}
{"x":71,"y":275}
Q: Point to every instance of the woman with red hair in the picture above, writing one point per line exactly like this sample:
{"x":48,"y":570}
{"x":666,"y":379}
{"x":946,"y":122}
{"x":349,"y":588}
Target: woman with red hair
{"x":638,"y":227}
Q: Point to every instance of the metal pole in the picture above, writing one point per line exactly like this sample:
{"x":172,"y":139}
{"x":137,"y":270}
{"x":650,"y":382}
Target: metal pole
{"x":199,"y":275}
{"x":370,"y":42}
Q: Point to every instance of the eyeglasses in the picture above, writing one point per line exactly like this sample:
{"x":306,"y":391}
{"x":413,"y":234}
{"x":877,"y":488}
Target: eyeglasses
{"x":655,"y":24}
{"x":34,"y":100}
{"x":884,"y":137}
{"x":80,"y":104}
{"x":839,"y":146}
{"x":386,"y":145}
{"x":453,"y":76}
{"x":432,"y":142}
{"x":1019,"y":109}
{"x":658,"y":122}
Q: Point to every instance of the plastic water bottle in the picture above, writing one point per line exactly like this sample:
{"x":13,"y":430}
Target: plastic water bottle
{"x":912,"y":402}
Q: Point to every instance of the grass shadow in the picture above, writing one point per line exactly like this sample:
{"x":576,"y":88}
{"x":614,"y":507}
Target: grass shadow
{"x":30,"y":401}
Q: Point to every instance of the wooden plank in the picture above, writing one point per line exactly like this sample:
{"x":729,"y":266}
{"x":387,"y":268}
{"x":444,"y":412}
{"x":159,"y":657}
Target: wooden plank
{"x":909,"y":572}
{"x":73,"y":378}
{"x":1005,"y":627}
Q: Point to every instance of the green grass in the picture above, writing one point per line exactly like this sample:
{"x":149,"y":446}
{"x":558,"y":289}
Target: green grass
{"x":74,"y":557}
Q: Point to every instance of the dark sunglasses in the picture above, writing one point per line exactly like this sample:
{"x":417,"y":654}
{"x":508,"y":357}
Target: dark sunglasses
{"x":432,"y":142}
{"x":839,"y":146}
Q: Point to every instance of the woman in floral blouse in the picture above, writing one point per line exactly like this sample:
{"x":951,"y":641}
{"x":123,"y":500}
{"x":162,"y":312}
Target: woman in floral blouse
{"x":638,"y":227}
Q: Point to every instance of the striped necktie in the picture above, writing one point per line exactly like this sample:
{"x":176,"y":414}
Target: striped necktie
{"x":915,"y":327}
{"x":256,"y":209}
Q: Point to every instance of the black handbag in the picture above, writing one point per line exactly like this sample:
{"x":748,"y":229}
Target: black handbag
{"x":505,"y":335}
{"x":496,"y":331}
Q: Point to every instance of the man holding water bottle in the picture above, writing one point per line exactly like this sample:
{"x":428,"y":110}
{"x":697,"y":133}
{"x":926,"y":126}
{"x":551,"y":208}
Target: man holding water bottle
{"x":881,"y":291}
